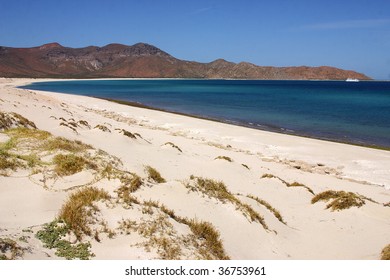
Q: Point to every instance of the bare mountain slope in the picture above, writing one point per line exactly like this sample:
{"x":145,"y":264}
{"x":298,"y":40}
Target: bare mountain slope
{"x":143,"y":60}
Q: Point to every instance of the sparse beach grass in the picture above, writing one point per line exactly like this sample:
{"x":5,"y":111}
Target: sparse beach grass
{"x":60,"y":143}
{"x":219,"y":191}
{"x":275,"y":212}
{"x":161,"y":234}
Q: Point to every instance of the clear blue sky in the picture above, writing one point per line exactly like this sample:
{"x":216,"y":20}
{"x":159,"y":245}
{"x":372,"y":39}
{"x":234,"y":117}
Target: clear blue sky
{"x":350,"y":34}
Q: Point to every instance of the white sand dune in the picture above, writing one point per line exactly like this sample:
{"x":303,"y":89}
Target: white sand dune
{"x":181,"y":148}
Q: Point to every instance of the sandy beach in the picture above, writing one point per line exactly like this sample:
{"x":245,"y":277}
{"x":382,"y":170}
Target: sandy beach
{"x":82,"y":177}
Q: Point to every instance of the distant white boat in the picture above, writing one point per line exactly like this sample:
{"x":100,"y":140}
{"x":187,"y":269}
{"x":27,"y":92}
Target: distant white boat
{"x":351,"y":80}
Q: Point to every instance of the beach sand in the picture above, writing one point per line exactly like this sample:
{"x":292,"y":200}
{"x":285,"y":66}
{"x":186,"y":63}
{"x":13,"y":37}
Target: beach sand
{"x":228,"y":191}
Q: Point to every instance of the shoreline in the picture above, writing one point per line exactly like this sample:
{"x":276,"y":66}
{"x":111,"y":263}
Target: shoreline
{"x":267,"y":183}
{"x":266,"y":128}
{"x":262,"y":127}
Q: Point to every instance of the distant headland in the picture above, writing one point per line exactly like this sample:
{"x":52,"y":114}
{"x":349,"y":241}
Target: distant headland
{"x":144,"y":61}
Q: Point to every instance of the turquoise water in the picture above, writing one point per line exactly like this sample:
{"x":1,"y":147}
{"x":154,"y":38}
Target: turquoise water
{"x":333,"y":110}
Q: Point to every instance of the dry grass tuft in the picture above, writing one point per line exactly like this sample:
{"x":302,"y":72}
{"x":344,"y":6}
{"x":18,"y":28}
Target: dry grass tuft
{"x":246,"y":166}
{"x":250,"y":213}
{"x":103,"y":128}
{"x":78,"y":209}
{"x":173,"y":146}
{"x":269,"y":176}
{"x":154,"y":175}
{"x":296,"y":184}
{"x":341,"y":199}
{"x":84,"y":123}
{"x":9,"y":249}
{"x":224,"y":158}
{"x":129,"y":134}
{"x":70,"y":164}
{"x":212,"y":188}
{"x":275,"y":212}
{"x":7,"y":161}
{"x":386,"y":253}
{"x":211,"y":244}
{"x":129,"y":185}
{"x":12,"y":120}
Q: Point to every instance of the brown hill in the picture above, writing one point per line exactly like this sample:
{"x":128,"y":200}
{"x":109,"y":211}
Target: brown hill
{"x":143,"y":60}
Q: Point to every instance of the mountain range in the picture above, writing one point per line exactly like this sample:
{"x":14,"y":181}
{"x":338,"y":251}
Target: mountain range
{"x":144,"y":61}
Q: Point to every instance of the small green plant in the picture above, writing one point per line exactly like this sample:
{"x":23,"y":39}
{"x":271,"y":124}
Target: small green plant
{"x":52,"y":233}
{"x":386,"y":253}
{"x":224,"y":158}
{"x":51,"y":236}
{"x":154,"y":175}
{"x":77,"y":210}
{"x":340,"y":199}
{"x":69,"y":164}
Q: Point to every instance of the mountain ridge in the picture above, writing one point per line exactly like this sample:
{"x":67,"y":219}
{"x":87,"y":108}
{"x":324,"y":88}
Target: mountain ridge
{"x":142,"y":60}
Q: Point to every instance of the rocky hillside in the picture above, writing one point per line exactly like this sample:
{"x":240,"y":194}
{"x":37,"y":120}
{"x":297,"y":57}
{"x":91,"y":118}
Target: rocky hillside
{"x":143,"y":60}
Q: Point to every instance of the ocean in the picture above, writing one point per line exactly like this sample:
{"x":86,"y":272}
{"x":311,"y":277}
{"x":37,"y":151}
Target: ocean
{"x":351,"y":112}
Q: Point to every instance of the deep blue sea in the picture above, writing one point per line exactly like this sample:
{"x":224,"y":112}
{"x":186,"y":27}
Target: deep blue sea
{"x":354,"y":112}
